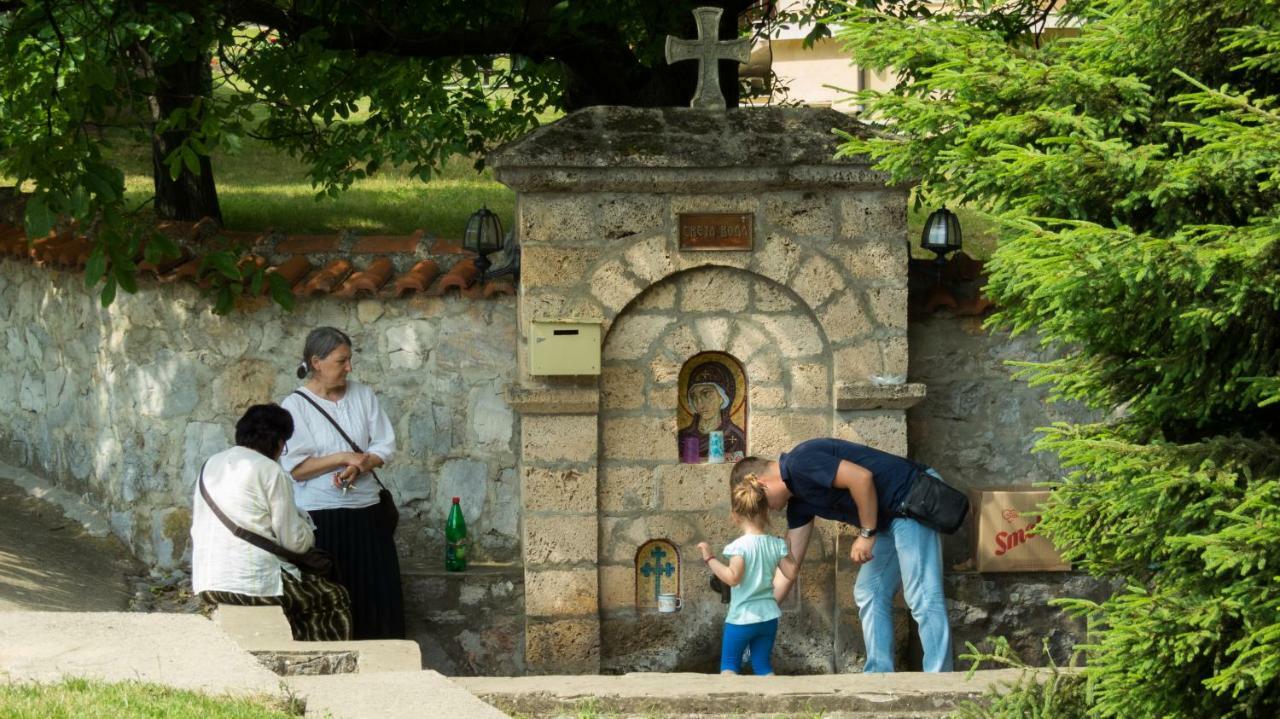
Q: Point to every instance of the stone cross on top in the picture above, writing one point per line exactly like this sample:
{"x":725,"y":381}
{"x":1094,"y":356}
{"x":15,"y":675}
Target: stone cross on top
{"x":708,"y":50}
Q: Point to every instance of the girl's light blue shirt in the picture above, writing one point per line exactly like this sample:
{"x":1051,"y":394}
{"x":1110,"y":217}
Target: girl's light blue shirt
{"x":752,"y":600}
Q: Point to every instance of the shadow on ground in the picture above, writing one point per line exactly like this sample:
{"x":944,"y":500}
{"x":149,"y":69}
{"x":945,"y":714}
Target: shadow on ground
{"x":49,"y":563}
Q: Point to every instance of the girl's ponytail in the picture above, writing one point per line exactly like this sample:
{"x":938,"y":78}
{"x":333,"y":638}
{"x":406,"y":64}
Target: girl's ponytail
{"x":747,"y":498}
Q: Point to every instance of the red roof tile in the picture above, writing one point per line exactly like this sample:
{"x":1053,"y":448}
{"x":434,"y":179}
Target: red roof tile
{"x":449,"y":247}
{"x":303,"y":244}
{"x":459,"y":278}
{"x":326,"y":280}
{"x":387,"y":244}
{"x":417,"y":279}
{"x":368,"y":282}
{"x":294,"y":260}
{"x":292,"y":270}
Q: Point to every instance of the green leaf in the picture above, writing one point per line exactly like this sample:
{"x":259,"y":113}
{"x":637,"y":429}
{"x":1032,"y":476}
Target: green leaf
{"x":39,"y":218}
{"x":95,"y":266}
{"x":108,"y":294}
{"x":280,"y":291}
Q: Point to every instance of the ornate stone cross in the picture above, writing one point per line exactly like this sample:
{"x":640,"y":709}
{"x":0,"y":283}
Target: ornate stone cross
{"x":657,"y":569}
{"x":708,"y":50}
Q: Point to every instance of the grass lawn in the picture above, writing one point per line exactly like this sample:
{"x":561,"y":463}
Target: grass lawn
{"x":261,"y":187}
{"x":83,"y":699}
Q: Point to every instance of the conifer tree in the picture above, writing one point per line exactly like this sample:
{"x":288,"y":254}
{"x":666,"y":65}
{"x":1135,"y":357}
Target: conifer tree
{"x":1133,"y":167}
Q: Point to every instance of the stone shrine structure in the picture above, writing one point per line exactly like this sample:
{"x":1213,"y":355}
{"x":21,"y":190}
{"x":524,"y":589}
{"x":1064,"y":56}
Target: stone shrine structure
{"x":814,"y":307}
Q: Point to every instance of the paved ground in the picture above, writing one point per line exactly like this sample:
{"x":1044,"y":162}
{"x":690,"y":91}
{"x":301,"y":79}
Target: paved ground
{"x":50,"y":563}
{"x":671,"y":695}
{"x":180,"y":650}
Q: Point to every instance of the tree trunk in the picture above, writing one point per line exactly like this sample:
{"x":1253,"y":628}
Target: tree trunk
{"x":190,"y":197}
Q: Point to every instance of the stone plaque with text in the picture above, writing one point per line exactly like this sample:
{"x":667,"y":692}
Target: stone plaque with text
{"x":716,"y":230}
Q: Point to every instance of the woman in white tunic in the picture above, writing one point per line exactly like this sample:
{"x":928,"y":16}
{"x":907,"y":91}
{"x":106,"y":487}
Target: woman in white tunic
{"x":334,"y":482}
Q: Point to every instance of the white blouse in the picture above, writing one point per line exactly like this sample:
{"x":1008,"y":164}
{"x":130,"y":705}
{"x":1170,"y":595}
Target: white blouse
{"x":362,"y":419}
{"x":257,"y":495}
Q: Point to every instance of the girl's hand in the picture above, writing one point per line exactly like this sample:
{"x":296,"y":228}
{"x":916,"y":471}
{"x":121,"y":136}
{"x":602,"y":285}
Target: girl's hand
{"x":705,"y":550}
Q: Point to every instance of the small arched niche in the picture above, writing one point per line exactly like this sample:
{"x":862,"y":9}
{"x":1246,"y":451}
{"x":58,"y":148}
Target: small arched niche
{"x":713,"y":399}
{"x":657,"y":569}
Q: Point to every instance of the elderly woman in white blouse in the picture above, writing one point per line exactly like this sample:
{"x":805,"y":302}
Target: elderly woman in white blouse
{"x":251,"y":492}
{"x":334,"y":483}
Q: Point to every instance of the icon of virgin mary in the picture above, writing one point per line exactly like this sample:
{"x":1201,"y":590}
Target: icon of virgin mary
{"x":710,"y":390}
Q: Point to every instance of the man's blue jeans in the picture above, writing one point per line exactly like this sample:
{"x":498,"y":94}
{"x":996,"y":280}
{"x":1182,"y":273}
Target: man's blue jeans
{"x":909,"y":554}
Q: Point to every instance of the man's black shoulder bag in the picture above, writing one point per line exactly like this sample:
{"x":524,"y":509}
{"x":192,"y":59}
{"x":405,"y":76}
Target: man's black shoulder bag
{"x":934,"y":503}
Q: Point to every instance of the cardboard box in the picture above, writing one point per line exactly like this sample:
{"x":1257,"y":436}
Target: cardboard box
{"x":1004,"y":532}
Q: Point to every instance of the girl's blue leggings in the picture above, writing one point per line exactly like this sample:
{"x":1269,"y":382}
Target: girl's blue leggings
{"x":737,"y":637}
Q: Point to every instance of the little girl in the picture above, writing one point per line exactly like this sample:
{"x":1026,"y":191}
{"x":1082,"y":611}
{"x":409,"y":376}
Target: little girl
{"x":753,"y":557}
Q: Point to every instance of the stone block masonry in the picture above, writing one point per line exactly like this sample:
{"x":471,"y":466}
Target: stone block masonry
{"x":808,"y":308}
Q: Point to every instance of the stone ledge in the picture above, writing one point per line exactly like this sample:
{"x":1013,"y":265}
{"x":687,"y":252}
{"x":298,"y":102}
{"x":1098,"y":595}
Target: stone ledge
{"x":881,"y":695}
{"x":264,"y":632}
{"x":873,"y":396}
{"x":553,"y":400}
{"x":475,"y":571}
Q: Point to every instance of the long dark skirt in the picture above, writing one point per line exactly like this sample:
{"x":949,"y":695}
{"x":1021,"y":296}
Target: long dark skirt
{"x":367,"y":565}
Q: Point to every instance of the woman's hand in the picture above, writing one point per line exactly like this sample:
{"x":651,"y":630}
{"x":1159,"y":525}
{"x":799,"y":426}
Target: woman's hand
{"x":345,"y":477}
{"x":368,"y":462}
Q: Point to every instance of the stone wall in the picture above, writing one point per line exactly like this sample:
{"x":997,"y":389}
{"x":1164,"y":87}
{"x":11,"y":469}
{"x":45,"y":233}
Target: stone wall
{"x":978,"y":427}
{"x":123,"y":404}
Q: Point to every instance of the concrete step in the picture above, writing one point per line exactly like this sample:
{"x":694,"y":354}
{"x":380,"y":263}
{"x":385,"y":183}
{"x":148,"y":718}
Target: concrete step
{"x":389,"y":695}
{"x":264,"y":632}
{"x":708,"y":695}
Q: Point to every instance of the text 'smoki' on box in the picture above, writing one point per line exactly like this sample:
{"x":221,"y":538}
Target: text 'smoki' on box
{"x":1004,"y":532}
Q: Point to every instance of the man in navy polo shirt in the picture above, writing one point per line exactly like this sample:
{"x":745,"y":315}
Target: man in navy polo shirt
{"x":861,"y":486}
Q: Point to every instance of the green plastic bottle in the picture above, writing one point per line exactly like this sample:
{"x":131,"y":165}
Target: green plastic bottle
{"x":455,"y":537}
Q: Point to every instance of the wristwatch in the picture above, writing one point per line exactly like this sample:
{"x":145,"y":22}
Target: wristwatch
{"x":866,"y":533}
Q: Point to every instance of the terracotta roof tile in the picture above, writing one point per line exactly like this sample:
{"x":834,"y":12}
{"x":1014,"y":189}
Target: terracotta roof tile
{"x":458,"y":278}
{"x":167,"y":266}
{"x":493,"y":288}
{"x":387,"y":244}
{"x":292,"y":270}
{"x":74,"y":253}
{"x":13,"y":241}
{"x":369,"y":281}
{"x":247,"y":260}
{"x":304,"y":244}
{"x":417,"y":279}
{"x":326,"y":280}
{"x":295,"y":258}
{"x":185,"y":271}
{"x":449,"y":247}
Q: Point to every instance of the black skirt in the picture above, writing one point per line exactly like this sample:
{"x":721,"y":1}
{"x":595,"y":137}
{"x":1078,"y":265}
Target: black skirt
{"x":366,"y":563}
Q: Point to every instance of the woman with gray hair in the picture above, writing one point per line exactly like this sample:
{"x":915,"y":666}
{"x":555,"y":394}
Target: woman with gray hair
{"x":340,"y":436}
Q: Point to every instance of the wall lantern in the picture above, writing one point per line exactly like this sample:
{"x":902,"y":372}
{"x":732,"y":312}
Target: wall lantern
{"x":941,"y":233}
{"x":483,"y":236}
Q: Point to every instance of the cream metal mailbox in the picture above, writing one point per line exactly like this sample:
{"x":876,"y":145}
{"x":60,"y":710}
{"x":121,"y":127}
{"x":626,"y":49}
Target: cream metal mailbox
{"x":564,"y":347}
